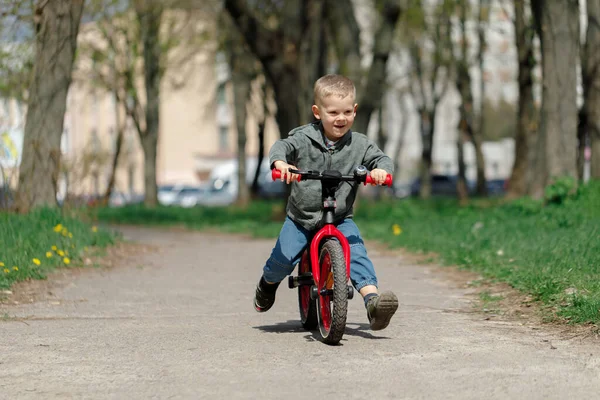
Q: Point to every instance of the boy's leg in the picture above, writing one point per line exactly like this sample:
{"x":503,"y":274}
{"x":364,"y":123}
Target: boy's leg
{"x":380,"y":307}
{"x":284,"y":256}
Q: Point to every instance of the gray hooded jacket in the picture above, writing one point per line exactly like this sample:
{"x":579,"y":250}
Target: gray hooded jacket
{"x":305,"y":149}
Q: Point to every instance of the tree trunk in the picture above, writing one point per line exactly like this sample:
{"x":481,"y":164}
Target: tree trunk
{"x":279,"y":53}
{"x":402,"y":134}
{"x":591,"y":83}
{"x":558,"y":28}
{"x":57,"y":25}
{"x":241,"y":89}
{"x":261,"y":139}
{"x":119,"y":126}
{"x":520,"y":178}
{"x":149,"y":16}
{"x":370,"y":98}
{"x":461,"y":182}
{"x":464,"y":87}
{"x":427,"y":131}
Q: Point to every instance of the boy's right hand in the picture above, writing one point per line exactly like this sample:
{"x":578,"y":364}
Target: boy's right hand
{"x":286,"y":175}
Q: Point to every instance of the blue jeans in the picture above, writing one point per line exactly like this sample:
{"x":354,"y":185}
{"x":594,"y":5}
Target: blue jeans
{"x":292,"y":241}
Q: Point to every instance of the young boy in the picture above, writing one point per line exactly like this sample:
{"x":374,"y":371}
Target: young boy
{"x":327,"y":144}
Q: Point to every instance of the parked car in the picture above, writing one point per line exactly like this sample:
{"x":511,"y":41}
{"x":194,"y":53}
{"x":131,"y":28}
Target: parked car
{"x":445,"y":185}
{"x":223,"y":182}
{"x":190,"y":196}
{"x":441,"y":185}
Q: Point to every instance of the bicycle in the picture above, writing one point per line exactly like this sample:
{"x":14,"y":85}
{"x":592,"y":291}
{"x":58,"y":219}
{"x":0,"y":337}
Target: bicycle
{"x":324,"y":269}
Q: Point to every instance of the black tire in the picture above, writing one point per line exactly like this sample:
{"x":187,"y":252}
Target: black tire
{"x":332,"y":309}
{"x":306,"y":306}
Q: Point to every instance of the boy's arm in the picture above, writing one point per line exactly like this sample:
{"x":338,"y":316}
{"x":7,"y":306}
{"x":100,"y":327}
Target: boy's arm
{"x":376,"y":159}
{"x":284,"y":150}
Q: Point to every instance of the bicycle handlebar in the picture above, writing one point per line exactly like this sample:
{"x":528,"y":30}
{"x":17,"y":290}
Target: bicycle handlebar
{"x":314,"y":175}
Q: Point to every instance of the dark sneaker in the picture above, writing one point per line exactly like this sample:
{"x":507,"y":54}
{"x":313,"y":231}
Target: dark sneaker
{"x":264,"y":297}
{"x":380,"y":310}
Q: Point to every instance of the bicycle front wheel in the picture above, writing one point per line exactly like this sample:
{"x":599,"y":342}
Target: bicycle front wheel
{"x":333,"y":292}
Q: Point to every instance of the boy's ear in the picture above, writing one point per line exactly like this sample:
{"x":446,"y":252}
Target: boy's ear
{"x":316,"y":111}
{"x":355,"y":108}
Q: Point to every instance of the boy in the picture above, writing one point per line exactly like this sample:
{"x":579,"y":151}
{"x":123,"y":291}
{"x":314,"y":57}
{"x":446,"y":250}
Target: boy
{"x":325,"y":144}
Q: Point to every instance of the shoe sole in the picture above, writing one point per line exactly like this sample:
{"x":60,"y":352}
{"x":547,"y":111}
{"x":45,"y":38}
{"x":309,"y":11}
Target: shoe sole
{"x":260,"y":309}
{"x":386,"y":308}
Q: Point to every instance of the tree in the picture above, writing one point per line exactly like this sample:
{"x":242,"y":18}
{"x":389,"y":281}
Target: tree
{"x":467,"y":112}
{"x":277,"y":43}
{"x":557,"y":24}
{"x":590,"y":68}
{"x":526,"y":131}
{"x":56,"y":27}
{"x":133,"y":40}
{"x":292,"y":48}
{"x":371,"y":94}
{"x":428,"y":29}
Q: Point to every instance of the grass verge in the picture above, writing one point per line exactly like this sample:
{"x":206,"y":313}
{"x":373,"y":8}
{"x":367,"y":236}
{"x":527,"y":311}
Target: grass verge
{"x":34,"y":244}
{"x":550,"y":250}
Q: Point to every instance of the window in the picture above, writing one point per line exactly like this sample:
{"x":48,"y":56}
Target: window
{"x":223,"y":138}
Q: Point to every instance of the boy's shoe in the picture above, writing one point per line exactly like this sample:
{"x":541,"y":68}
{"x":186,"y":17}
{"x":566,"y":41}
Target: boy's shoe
{"x":380,"y":310}
{"x":264,"y":298}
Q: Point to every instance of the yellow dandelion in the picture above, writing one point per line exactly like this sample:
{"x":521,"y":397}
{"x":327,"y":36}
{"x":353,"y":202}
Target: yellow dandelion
{"x":48,"y":254}
{"x":58,"y":228}
{"x":64,"y":232}
{"x":60,"y":253}
{"x":16,"y":268}
{"x":94,"y":228}
{"x":66,"y":260}
{"x":36,"y":261}
{"x":1,"y":264}
{"x":6,"y":270}
{"x":396,"y":229}
{"x":54,"y":248}
{"x":70,"y":235}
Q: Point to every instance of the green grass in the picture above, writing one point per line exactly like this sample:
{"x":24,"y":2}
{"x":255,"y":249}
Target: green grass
{"x":34,"y":244}
{"x":550,"y":250}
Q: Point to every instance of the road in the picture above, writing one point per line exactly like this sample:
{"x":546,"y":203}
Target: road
{"x":178,"y":323}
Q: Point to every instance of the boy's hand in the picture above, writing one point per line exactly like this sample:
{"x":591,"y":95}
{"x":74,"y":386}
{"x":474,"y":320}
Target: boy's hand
{"x":378,"y":175}
{"x":284,"y":167}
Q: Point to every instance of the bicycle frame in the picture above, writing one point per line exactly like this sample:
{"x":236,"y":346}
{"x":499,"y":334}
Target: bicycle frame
{"x":327,"y":231}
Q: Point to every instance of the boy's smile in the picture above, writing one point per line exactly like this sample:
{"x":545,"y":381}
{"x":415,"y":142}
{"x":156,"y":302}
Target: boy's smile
{"x":337,"y":115}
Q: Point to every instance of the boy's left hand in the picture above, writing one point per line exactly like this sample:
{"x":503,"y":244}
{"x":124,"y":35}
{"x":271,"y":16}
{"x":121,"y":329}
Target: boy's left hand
{"x":378,"y":176}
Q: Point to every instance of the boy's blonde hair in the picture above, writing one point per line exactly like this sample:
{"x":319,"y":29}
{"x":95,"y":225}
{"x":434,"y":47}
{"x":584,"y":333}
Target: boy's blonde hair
{"x":333,"y":85}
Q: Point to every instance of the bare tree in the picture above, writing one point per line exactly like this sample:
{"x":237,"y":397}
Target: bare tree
{"x":132,"y":47}
{"x":467,"y":111}
{"x":526,"y":133}
{"x":430,"y":70}
{"x":293,"y":51}
{"x":557,"y":23}
{"x":370,"y":96}
{"x":279,"y":49}
{"x":56,"y":26}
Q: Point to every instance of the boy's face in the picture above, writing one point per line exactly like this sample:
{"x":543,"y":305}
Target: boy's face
{"x":337,"y":115}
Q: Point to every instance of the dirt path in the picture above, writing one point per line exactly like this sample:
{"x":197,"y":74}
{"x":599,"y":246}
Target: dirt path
{"x":179,"y":323}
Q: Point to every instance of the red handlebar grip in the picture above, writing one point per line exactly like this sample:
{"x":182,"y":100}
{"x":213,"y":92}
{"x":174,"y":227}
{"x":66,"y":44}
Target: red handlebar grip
{"x":387,"y":182}
{"x":276,"y":174}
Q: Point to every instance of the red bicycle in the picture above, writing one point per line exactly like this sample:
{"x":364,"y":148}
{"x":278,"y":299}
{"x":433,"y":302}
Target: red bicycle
{"x":324,"y":269}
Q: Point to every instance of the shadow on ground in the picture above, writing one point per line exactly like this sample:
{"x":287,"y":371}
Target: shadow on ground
{"x":294,"y":326}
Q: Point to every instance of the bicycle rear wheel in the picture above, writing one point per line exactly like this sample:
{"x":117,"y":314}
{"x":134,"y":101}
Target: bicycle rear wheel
{"x":306,"y":305}
{"x":333,"y":292}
